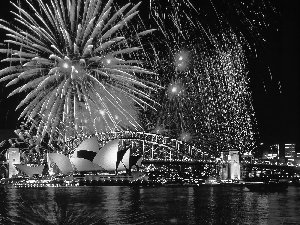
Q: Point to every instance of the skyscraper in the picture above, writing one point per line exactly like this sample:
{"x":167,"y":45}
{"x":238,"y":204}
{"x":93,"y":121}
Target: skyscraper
{"x":290,"y":152}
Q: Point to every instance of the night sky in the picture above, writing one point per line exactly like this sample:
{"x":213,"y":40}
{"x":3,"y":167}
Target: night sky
{"x":277,"y":109}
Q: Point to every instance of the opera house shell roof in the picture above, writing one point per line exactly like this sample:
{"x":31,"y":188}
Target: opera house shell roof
{"x":30,"y":170}
{"x":86,"y":157}
{"x":61,"y":161}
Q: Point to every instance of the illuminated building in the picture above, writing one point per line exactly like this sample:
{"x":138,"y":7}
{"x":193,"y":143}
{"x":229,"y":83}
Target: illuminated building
{"x":297,"y":160}
{"x":274,"y":151}
{"x":13,"y":157}
{"x":289,"y":150}
{"x":247,"y":157}
{"x":235,"y":171}
{"x":231,"y":166}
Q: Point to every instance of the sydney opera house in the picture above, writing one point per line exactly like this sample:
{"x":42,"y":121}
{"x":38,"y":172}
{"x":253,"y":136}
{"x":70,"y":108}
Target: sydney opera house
{"x":90,"y":165}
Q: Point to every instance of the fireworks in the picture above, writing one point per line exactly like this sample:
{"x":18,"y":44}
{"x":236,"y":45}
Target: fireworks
{"x":207,"y":96}
{"x":79,"y":62}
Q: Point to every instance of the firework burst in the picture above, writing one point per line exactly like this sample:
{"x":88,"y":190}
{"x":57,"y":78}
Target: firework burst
{"x":79,"y":62}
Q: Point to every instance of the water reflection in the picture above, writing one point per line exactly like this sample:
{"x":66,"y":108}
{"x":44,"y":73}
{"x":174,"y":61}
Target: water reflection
{"x":159,"y":205}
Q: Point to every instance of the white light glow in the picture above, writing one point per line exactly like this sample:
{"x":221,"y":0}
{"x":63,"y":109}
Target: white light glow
{"x":66,"y":65}
{"x":102,"y":112}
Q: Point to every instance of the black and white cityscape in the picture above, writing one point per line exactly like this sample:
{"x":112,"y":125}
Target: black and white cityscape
{"x":149,"y":112}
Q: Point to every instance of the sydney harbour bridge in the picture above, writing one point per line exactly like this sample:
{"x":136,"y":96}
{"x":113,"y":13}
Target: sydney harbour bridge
{"x":153,"y":147}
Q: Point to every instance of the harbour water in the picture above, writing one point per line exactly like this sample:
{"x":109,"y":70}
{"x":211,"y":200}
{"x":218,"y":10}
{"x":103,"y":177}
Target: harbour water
{"x":148,"y":205}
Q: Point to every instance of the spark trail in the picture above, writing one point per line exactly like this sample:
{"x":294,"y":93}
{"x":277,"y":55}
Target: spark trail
{"x":209,"y":67}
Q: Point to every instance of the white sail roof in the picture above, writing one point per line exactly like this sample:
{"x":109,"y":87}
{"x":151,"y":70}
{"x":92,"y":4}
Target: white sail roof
{"x":30,"y":170}
{"x":107,"y":156}
{"x":62,"y":162}
{"x":82,"y":164}
{"x":90,"y":144}
{"x":139,"y":162}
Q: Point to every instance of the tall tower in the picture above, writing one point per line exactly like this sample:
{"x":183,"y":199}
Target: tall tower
{"x":13,"y":157}
{"x":231,"y":165}
{"x":225,"y":166}
{"x":235,"y":170}
{"x":290,"y":152}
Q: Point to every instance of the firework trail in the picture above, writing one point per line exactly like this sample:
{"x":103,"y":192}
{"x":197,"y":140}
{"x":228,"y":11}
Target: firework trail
{"x":207,"y":99}
{"x":79,"y":62}
{"x":226,"y":96}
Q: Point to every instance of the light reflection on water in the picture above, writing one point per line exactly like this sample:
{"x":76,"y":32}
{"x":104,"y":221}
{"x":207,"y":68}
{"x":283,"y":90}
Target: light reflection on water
{"x":150,"y":205}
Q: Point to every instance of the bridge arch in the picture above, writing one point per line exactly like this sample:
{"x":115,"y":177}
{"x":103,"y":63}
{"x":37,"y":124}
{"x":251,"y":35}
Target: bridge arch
{"x":154,"y":146}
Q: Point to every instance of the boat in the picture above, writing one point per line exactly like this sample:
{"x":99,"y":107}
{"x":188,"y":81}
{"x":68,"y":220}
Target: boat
{"x":271,"y":185}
